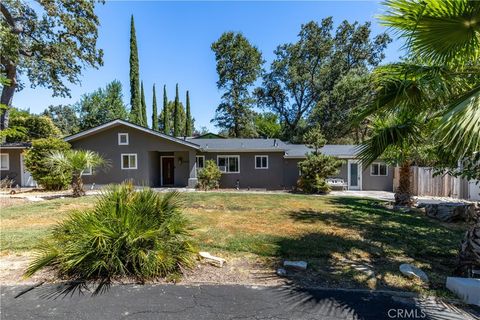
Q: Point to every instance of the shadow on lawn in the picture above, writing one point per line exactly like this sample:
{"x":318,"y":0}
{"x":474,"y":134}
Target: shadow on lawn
{"x":380,"y":241}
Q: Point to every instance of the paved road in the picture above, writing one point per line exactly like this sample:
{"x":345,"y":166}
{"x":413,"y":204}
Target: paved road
{"x":217,"y":302}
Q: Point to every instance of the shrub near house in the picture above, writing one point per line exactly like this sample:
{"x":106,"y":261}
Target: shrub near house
{"x":36,"y":163}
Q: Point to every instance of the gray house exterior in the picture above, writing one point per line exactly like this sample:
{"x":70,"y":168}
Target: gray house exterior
{"x":154,"y":159}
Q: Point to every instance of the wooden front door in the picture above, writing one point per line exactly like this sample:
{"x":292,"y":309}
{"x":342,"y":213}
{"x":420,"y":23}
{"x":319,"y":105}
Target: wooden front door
{"x":168,"y":171}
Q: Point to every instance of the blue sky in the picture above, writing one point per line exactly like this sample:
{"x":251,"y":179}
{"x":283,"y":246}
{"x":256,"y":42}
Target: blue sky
{"x":174,"y":41}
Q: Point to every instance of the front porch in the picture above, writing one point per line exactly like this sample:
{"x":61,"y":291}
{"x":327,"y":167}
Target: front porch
{"x":173,"y":169}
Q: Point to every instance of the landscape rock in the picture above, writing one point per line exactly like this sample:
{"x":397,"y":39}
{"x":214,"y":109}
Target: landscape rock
{"x":298,"y":265}
{"x":281,"y":272}
{"x":450,"y":212}
{"x":216,"y":261}
{"x":468,"y":289}
{"x":412,"y":271}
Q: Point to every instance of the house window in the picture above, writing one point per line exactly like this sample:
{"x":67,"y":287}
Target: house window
{"x":129,"y":161}
{"x":378,"y":169}
{"x":4,"y":161}
{"x":261,"y":162}
{"x":200,"y":161}
{"x":123,"y":139}
{"x":87,"y":172}
{"x":229,"y":164}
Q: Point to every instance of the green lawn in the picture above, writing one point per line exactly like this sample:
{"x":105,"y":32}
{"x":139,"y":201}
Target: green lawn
{"x":338,"y":236}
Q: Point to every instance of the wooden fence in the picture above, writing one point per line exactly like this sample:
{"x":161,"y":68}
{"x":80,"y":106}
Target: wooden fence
{"x":424,"y":183}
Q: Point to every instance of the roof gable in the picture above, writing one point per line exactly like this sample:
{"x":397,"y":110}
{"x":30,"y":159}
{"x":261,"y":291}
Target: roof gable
{"x":117,"y":122}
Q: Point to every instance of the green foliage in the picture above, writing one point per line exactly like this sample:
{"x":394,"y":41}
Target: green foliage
{"x":64,"y":117}
{"x":176,"y":115}
{"x":143,"y":110}
{"x":101,"y":106}
{"x":49,"y":42}
{"x":26,"y":127}
{"x":188,"y":120}
{"x":135,"y":99}
{"x":165,"y":118}
{"x":267,"y":125}
{"x":314,"y":170}
{"x":71,"y":164}
{"x":36,"y":163}
{"x":154,"y":111}
{"x":304,"y":75}
{"x":238,"y":66}
{"x":127,"y":234}
{"x":209,"y":176}
{"x":316,"y":167}
{"x":171,"y":115}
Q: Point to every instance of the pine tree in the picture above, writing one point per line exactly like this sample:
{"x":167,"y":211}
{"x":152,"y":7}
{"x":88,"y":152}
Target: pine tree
{"x":135,"y":103}
{"x":154,"y":111}
{"x":143,"y":109}
{"x":166,"y":118}
{"x":188,"y":118}
{"x":176,"y":115}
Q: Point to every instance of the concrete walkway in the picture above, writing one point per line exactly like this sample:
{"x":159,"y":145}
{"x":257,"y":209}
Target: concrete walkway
{"x":220,"y":302}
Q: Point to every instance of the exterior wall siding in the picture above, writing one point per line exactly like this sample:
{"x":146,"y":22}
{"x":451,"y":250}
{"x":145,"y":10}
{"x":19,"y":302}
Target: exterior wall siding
{"x":14,"y":171}
{"x":148,"y":149}
{"x":377,"y":183}
{"x":249,"y":177}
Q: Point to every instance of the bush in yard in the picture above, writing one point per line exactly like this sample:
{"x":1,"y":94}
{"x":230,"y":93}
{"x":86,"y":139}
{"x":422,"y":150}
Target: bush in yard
{"x":36,"y":163}
{"x":316,"y":167}
{"x":209,"y":176}
{"x":139,"y":234}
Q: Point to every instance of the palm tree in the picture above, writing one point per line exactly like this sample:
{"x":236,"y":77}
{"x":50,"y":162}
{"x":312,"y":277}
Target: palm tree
{"x":75,"y":162}
{"x":439,"y":87}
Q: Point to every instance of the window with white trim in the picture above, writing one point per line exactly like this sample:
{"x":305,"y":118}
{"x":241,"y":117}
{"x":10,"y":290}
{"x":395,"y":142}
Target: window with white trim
{"x":200,"y":162}
{"x":4,"y":161}
{"x":378,"y":169}
{"x":123,"y":139}
{"x":129,"y":161}
{"x":229,"y":164}
{"x":261,"y":162}
{"x":87,"y":172}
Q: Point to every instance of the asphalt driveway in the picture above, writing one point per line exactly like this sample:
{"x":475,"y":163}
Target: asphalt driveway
{"x":218,"y":302}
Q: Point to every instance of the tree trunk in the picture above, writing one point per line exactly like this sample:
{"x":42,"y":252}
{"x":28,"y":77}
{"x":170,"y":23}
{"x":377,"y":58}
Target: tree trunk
{"x":403,"y":196}
{"x":77,"y":186}
{"x":8,"y":91}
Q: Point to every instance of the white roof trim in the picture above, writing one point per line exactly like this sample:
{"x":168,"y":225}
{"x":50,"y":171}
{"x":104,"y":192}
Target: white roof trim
{"x":242,"y":150}
{"x":118,"y":121}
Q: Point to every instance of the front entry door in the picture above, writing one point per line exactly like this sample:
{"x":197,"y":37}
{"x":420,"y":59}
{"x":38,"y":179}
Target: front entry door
{"x":168,"y":171}
{"x":354,"y":175}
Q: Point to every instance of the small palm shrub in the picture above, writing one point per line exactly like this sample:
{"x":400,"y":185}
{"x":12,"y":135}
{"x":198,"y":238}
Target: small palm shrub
{"x":127,"y":234}
{"x":209,"y":177}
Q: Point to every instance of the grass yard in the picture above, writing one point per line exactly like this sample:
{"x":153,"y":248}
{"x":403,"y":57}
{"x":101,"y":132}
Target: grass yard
{"x":342,"y":238}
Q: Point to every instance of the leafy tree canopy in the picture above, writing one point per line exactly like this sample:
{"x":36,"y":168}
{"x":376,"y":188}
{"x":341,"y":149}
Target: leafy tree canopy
{"x":239,"y":64}
{"x":64,"y":117}
{"x":101,"y":106}
{"x":27,"y":127}
{"x":49,"y":43}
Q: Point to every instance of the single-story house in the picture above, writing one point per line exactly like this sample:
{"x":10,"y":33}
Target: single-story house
{"x":155,"y":159}
{"x":151,"y":158}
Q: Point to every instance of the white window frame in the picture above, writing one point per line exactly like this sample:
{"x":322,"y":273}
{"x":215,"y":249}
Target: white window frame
{"x":196,"y":162}
{"x":226,"y":167}
{"x":7,"y":167}
{"x":121,"y":134}
{"x":129,"y":154}
{"x":379,"y":174}
{"x":87,"y":172}
{"x":261,"y":156}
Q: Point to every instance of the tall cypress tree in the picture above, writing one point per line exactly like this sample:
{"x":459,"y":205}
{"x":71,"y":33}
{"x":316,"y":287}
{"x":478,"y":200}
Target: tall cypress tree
{"x":176,"y":115}
{"x":143,"y":109}
{"x":166,"y":118}
{"x":188,"y":118}
{"x":154,"y":111}
{"x":135,"y":103}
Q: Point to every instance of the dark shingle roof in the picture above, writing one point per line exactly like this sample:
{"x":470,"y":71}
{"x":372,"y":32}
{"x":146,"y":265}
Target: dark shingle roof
{"x":239,"y":144}
{"x":337,"y":150}
{"x":15,"y":145}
